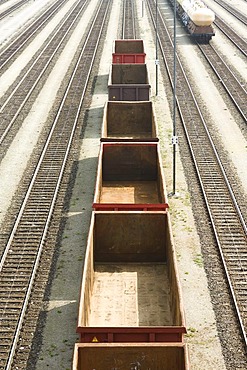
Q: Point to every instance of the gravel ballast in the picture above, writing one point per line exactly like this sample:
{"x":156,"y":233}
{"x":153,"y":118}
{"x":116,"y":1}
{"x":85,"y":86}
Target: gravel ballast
{"x":58,"y":337}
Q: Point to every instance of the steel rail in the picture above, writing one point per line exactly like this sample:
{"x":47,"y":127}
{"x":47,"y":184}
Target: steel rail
{"x":240,"y":16}
{"x":233,"y":87}
{"x":25,"y":87}
{"x":128,"y":22}
{"x":11,"y":9}
{"x":237,"y":40}
{"x":18,"y":43}
{"x":194,"y":128}
{"x":70,"y":107}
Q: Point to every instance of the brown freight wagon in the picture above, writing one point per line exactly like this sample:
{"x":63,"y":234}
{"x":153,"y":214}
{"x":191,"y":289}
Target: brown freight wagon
{"x":129,"y":356}
{"x":125,"y":121}
{"x":128,"y":51}
{"x":128,"y":82}
{"x":130,"y":176}
{"x":130,"y":289}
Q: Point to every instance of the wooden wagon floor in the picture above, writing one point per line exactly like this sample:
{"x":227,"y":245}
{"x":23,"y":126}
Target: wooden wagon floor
{"x":131,"y":295}
{"x":130,"y":192}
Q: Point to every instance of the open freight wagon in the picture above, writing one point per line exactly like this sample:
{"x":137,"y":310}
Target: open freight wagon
{"x":128,"y":82}
{"x":123,"y":121}
{"x":128,"y":51}
{"x":130,"y":177}
{"x":130,"y":290}
{"x":126,"y":356}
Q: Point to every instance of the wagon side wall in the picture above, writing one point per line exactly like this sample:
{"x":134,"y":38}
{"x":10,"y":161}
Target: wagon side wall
{"x":130,"y":237}
{"x":128,"y":82}
{"x":129,"y":163}
{"x":128,"y":118}
{"x":98,"y":185}
{"x":129,"y":74}
{"x":176,"y":294}
{"x":165,"y":356}
{"x":129,"y":46}
{"x":87,"y":279}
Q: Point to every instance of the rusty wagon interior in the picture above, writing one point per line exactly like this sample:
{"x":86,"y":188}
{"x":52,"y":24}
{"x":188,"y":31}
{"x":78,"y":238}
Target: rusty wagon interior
{"x":129,"y":276}
{"x":128,"y":74}
{"x":131,"y":120}
{"x":130,"y":173}
{"x":164,"y":356}
{"x":128,"y":46}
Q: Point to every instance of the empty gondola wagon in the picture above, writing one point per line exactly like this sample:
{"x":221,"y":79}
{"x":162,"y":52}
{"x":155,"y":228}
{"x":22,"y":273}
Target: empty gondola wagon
{"x":130,"y":176}
{"x":128,"y":82}
{"x":129,"y":121}
{"x":128,"y":51}
{"x":130,"y":289}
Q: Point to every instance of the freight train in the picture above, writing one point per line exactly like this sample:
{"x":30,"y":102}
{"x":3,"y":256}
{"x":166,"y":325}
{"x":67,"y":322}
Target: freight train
{"x":197,"y":18}
{"x":130,"y":311}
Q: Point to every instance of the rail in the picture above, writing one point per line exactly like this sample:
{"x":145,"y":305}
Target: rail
{"x":12,"y":8}
{"x":237,"y":40}
{"x":227,"y":222}
{"x":128,"y":23}
{"x":232,"y":85}
{"x":16,"y":102}
{"x":22,"y":254}
{"x":18,"y":43}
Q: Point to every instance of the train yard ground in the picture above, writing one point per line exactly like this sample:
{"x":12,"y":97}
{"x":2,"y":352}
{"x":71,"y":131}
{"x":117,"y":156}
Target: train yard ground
{"x":54,"y":341}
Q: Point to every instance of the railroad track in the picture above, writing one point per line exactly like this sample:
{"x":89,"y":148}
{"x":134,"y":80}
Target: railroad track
{"x":11,"y":9}
{"x":240,"y":16}
{"x":23,"y":252}
{"x":128,"y":20}
{"x":17,"y":101}
{"x":232,"y":85}
{"x":237,"y":40}
{"x":228,"y":224}
{"x":17,"y":45}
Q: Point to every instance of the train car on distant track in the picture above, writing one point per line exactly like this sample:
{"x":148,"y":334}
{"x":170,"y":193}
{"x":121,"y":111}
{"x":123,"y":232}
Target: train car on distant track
{"x":197,"y":18}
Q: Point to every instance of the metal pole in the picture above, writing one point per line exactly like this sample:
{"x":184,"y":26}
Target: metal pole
{"x":156,"y":56}
{"x":174,"y":138}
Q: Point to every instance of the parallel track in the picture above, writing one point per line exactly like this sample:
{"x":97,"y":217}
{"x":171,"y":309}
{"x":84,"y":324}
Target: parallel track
{"x":17,"y":45}
{"x":237,"y":40}
{"x":226,"y":218}
{"x":232,"y":85}
{"x":16,"y":102}
{"x":23,"y":251}
{"x":233,"y":11}
{"x":11,"y":9}
{"x":129,"y":27}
